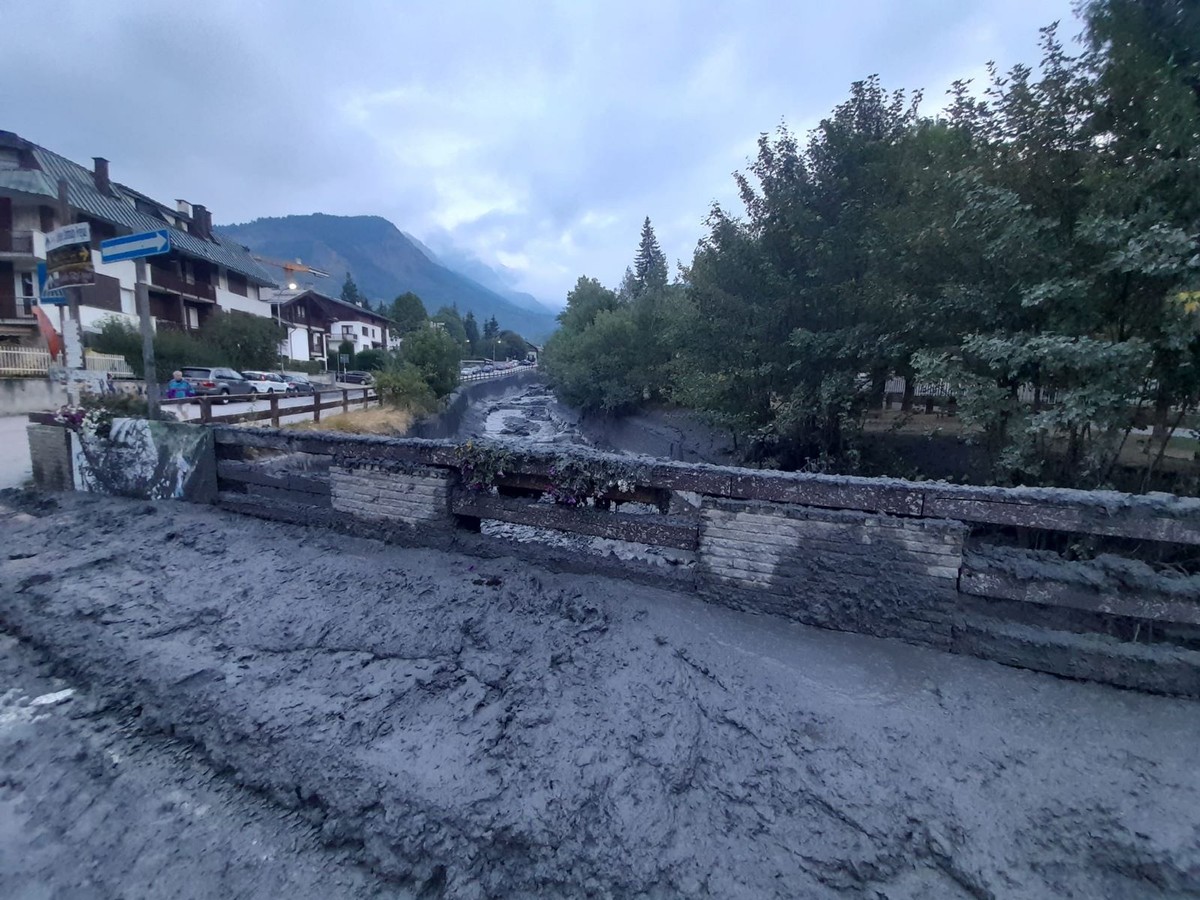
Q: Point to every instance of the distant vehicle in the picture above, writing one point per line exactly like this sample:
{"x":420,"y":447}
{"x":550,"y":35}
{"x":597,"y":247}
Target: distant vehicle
{"x":527,"y":362}
{"x":299,"y":384}
{"x":216,"y":381}
{"x":266,"y":382}
{"x":358,"y":378}
{"x":488,"y":368}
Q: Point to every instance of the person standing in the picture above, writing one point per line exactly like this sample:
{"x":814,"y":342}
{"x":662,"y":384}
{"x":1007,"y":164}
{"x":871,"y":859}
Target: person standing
{"x":178,"y":387}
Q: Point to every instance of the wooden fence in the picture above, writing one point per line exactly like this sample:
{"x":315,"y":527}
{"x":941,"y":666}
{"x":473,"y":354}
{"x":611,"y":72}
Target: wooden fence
{"x":343,"y":402}
{"x":880,"y":556}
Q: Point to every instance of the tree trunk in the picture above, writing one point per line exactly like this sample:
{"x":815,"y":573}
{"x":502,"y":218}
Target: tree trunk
{"x":1162,"y":408}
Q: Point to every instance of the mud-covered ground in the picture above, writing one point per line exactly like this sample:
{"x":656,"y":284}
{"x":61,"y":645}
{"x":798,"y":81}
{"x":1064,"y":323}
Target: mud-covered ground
{"x":487,"y":728}
{"x":91,"y":806}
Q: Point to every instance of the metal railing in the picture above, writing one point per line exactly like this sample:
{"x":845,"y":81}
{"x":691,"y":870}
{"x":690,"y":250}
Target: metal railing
{"x":24,"y":361}
{"x":36,"y":361}
{"x":499,"y":373}
{"x":107,"y":362}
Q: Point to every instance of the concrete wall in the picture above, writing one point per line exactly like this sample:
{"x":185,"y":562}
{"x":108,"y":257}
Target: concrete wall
{"x":25,"y":395}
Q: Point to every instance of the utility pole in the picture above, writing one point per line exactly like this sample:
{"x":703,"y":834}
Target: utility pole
{"x":141,"y":292}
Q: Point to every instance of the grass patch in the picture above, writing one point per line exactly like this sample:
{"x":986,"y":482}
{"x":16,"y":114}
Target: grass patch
{"x":382,"y":420}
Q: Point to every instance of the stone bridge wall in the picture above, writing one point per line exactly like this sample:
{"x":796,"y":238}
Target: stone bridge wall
{"x":930,"y":563}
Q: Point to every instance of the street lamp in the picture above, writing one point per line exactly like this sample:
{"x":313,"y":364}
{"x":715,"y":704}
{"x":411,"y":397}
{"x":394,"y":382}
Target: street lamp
{"x":495,"y":350}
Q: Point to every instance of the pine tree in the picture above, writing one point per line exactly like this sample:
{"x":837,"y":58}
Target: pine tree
{"x":491,"y":328}
{"x":350,"y":292}
{"x":650,"y":264}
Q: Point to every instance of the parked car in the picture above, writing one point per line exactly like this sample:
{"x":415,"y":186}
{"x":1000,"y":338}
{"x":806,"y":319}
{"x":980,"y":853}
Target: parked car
{"x":364,"y":378}
{"x":216,"y":381}
{"x":266,"y":382}
{"x":299,"y":384}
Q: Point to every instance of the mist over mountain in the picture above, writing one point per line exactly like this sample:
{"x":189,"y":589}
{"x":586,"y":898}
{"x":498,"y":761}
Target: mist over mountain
{"x":385,"y":262}
{"x":496,"y":278}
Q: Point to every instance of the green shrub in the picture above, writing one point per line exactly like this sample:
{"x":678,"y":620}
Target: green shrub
{"x":405,"y":387}
{"x":370,"y":360}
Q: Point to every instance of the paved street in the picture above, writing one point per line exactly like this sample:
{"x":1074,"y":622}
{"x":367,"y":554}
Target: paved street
{"x":15,"y":468}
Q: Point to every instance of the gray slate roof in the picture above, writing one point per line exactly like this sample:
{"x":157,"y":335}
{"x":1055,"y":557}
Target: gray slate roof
{"x":334,"y":302}
{"x":119,"y":210}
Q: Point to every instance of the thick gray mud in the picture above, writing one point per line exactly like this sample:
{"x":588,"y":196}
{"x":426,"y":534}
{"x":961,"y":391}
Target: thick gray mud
{"x":91,"y":806}
{"x":487,"y":728}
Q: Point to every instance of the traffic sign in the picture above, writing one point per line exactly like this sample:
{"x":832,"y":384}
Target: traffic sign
{"x":135,"y":246}
{"x":69,"y":257}
{"x":49,"y":297}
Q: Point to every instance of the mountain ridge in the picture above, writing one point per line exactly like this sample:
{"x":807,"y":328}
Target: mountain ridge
{"x":384,"y":262}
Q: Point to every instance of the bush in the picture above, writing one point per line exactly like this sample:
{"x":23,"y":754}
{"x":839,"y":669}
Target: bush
{"x":370,"y":360}
{"x":405,"y":387}
{"x":307,"y":366}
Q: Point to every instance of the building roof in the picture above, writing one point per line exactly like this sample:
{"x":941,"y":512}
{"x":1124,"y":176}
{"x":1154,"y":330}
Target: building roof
{"x":333,"y":306}
{"x":119,"y":208}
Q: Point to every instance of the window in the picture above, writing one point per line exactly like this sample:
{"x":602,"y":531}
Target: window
{"x":364,"y":331}
{"x":348,"y":331}
{"x":238,"y":284}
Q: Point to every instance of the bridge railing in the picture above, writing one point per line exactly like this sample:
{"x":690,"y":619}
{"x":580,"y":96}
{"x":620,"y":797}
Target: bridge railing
{"x":943,"y":565}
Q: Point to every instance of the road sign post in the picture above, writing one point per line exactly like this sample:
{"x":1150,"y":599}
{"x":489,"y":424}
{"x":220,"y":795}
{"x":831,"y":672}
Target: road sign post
{"x":137,"y":247}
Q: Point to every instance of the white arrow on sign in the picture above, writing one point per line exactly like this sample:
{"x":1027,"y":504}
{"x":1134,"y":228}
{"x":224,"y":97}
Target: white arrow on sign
{"x":150,"y":243}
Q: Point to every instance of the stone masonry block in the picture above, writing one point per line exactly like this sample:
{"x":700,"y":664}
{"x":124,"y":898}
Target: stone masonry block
{"x":50,"y":453}
{"x":853,"y":571}
{"x":408,"y":494}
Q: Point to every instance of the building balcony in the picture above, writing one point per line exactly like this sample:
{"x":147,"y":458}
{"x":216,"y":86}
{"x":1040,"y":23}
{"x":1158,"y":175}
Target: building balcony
{"x":168,"y":281}
{"x":16,"y":243}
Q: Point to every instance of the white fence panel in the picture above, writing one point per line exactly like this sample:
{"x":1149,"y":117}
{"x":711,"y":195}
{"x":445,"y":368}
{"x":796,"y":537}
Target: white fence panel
{"x":24,"y":361}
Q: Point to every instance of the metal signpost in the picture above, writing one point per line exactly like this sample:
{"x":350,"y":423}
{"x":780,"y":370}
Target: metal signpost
{"x":137,"y":247}
{"x":68,"y":269}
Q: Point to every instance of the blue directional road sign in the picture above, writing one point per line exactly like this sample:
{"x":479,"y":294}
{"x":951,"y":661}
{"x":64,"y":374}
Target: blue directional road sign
{"x":135,"y":246}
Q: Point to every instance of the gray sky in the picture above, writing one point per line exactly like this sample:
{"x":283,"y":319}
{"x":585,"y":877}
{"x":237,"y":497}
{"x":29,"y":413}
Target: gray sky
{"x":536,"y":135}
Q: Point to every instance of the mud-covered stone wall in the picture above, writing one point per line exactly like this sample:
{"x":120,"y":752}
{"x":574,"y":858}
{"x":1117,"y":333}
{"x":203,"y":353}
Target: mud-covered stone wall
{"x":882,"y":557}
{"x":414,"y":495}
{"x":851,"y":571}
{"x":50,"y":454}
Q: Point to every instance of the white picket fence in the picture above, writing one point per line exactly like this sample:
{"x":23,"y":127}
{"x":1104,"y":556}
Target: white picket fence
{"x":36,"y":361}
{"x":24,"y":361}
{"x":107,"y":362}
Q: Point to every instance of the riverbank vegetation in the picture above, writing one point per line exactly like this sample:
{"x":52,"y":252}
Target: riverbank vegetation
{"x":1032,"y":248}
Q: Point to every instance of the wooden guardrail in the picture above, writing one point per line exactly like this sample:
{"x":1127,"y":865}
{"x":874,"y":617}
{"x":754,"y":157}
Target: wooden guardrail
{"x":365,"y":396}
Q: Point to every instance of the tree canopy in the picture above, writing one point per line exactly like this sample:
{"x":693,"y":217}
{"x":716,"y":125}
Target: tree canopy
{"x":1033,"y":248}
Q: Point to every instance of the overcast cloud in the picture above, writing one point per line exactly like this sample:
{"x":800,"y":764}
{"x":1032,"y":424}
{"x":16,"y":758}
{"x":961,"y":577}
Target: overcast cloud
{"x":536,"y":135}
